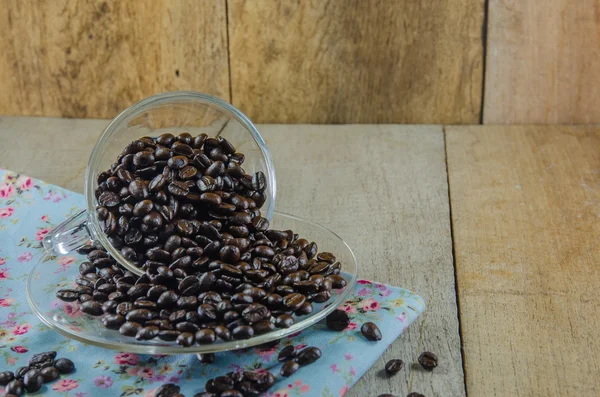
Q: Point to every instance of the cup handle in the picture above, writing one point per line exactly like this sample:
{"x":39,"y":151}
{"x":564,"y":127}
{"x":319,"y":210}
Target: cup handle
{"x":70,"y":235}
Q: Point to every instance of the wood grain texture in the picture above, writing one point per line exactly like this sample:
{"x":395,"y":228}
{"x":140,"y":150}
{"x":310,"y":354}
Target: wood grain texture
{"x":357,"y":61}
{"x":383,"y":190}
{"x":525,"y":213}
{"x":392,"y":211}
{"x":542,"y":62}
{"x":92,"y":59}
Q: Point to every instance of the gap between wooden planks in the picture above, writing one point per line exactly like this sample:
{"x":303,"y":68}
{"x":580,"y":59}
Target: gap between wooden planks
{"x":526,"y":221}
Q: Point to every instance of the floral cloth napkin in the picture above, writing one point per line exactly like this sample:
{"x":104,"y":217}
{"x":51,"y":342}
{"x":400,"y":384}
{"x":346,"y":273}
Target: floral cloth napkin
{"x":29,"y":208}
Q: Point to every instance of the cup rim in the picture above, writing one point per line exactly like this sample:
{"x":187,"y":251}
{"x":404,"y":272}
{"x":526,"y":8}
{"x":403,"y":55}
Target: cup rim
{"x":95,"y":229}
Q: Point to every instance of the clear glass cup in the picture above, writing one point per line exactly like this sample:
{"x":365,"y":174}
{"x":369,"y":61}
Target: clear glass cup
{"x":172,"y":112}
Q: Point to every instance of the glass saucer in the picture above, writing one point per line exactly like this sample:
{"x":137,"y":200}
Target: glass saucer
{"x":53,"y":273}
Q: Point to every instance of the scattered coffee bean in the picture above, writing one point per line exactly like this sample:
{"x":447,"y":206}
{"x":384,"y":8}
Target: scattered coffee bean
{"x":50,"y":374}
{"x":308,"y":355}
{"x":394,"y":366}
{"x":415,"y":394}
{"x":286,"y":354}
{"x":289,"y":368}
{"x":33,"y":380}
{"x":206,"y":358}
{"x":64,"y":365}
{"x":14,"y":387}
{"x":338,"y":320}
{"x":371,"y":331}
{"x":428,"y":360}
{"x":6,"y":377}
{"x":167,"y":390}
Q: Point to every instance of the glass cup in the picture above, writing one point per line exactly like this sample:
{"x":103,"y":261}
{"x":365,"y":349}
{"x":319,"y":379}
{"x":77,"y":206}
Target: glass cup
{"x":171,"y":112}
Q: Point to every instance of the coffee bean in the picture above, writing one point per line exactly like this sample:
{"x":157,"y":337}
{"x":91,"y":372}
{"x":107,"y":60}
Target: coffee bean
{"x":284,"y":321}
{"x":14,"y":387}
{"x":123,"y":308}
{"x":167,"y":390}
{"x":232,"y":393}
{"x":255,"y":313}
{"x":222,"y":332}
{"x":186,"y":326}
{"x":205,"y":336}
{"x":206,"y":358}
{"x":64,"y":365}
{"x":130,"y":328}
{"x":139,"y":315}
{"x":113,"y":321}
{"x":428,"y":361}
{"x":50,"y":374}
{"x":33,"y":380}
{"x":338,"y":320}
{"x":167,"y":299}
{"x":168,"y":335}
{"x":293,"y":301}
{"x":185,"y":339}
{"x":147,"y":333}
{"x":109,"y":199}
{"x":67,"y":295}
{"x":308,"y":355}
{"x":92,"y":308}
{"x":263,"y":327}
{"x":394,"y":366}
{"x":413,"y":394}
{"x":371,"y":331}
{"x":242,"y":332}
{"x":289,"y":368}
{"x":6,"y":377}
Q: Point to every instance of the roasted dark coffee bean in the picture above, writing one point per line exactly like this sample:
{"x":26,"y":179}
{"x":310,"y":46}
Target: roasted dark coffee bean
{"x":274,"y":301}
{"x":168,"y":335}
{"x":428,"y":361}
{"x":286,"y":354}
{"x":242,"y":332}
{"x":185,"y":339}
{"x":147,"y":333}
{"x":67,"y":295}
{"x":326,"y":257}
{"x":178,"y":162}
{"x":215,"y":169}
{"x":263,"y":327}
{"x":230,"y":316}
{"x":145,"y":304}
{"x":138,"y":290}
{"x":92,"y":308}
{"x":143,"y":207}
{"x":64,"y":365}
{"x":394,"y":366}
{"x":289,"y":368}
{"x":87,"y":267}
{"x":187,"y":302}
{"x":284,"y":321}
{"x":182,"y":148}
{"x":167,"y":300}
{"x":232,"y":393}
{"x":259,"y":181}
{"x":178,"y":188}
{"x":110,"y":306}
{"x":205,"y":336}
{"x":293,"y":301}
{"x":207,"y":312}
{"x":371,"y":331}
{"x":167,"y":390}
{"x":160,"y":323}
{"x":321,"y":297}
{"x":305,"y":309}
{"x":123,"y":308}
{"x":338,"y":320}
{"x":15,"y":387}
{"x":222,"y":333}
{"x":6,"y":377}
{"x":20,"y":372}
{"x":155,"y":292}
{"x":255,"y":312}
{"x":109,"y":199}
{"x":308,"y":355}
{"x":33,"y":380}
{"x":113,"y":321}
{"x":139,"y":315}
{"x":413,"y":394}
{"x":206,"y":358}
{"x":49,"y":374}
{"x":186,"y":326}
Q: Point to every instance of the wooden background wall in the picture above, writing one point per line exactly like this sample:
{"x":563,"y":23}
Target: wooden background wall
{"x":308,"y":61}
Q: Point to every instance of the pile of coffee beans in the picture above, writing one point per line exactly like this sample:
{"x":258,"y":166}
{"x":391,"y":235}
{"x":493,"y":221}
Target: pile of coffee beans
{"x":42,"y":368}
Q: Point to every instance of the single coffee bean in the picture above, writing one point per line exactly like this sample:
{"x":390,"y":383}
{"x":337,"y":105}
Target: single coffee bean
{"x":286,"y":354}
{"x":206,"y":358}
{"x":371,"y":331}
{"x":67,"y":295}
{"x":255,"y":313}
{"x":123,"y":308}
{"x":284,"y":321}
{"x":50,"y":374}
{"x":33,"y":380}
{"x":6,"y":377}
{"x":92,"y":308}
{"x":139,"y":316}
{"x":167,"y":390}
{"x":205,"y":336}
{"x":242,"y":332}
{"x":308,"y":355}
{"x":394,"y":366}
{"x":186,"y":326}
{"x":20,"y":372}
{"x":14,"y":387}
{"x":41,"y":358}
{"x":185,"y":339}
{"x":130,"y":328}
{"x":168,"y":335}
{"x":289,"y":368}
{"x":293,"y":301}
{"x":113,"y":321}
{"x":222,"y":332}
{"x":263,"y":327}
{"x":428,"y":360}
{"x":338,"y":320}
{"x":64,"y":365}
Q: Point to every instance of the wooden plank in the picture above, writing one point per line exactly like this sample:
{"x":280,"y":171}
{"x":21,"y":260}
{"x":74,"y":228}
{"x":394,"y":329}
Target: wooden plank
{"x":542,"y":62}
{"x":525,"y":213}
{"x":382,"y":188}
{"x":357,"y":61}
{"x":93,"y":59}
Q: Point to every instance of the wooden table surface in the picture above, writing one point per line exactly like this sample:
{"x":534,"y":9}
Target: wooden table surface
{"x":517,"y":207}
